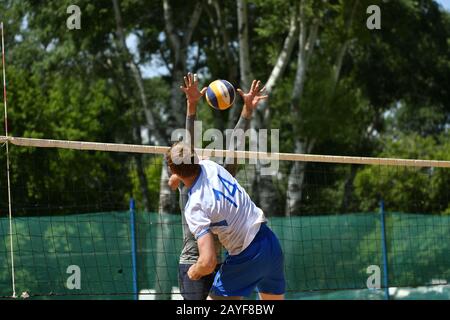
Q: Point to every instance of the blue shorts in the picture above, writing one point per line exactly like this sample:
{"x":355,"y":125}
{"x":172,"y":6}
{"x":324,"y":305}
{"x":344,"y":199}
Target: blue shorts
{"x":259,"y":266}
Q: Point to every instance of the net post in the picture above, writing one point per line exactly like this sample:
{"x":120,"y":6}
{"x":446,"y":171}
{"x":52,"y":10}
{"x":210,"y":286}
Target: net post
{"x":384,"y":251}
{"x":133,"y":247}
{"x":11,"y":244}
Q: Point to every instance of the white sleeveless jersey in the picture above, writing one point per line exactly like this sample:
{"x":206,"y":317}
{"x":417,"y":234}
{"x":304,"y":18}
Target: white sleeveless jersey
{"x":218,"y":204}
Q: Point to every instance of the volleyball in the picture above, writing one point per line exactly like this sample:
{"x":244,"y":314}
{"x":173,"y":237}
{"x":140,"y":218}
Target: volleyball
{"x":220,"y":94}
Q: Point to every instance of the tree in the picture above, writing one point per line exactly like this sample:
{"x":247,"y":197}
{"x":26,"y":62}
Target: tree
{"x":404,"y":189}
{"x":130,"y":66}
{"x":264,"y":191}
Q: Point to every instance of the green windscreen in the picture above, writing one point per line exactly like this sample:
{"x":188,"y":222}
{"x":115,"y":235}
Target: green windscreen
{"x":326,"y":256}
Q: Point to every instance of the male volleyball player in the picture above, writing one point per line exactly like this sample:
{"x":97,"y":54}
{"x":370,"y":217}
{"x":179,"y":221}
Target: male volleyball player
{"x":199,"y":289}
{"x":217,"y":204}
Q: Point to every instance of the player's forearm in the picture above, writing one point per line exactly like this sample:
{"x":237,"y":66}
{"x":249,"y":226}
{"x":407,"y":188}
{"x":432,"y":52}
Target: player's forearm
{"x":247,"y":113}
{"x":191,"y":116}
{"x":204,"y":267}
{"x":191,"y":108}
{"x":242,"y":124}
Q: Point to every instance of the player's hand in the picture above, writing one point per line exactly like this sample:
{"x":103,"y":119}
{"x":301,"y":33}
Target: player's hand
{"x":193,"y":94}
{"x":254,"y":96}
{"x":192,"y":274}
{"x":174,"y":182}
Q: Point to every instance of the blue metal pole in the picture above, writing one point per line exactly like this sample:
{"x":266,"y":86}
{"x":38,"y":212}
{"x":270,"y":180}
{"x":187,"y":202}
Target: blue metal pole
{"x":384,"y":249}
{"x":133,"y":248}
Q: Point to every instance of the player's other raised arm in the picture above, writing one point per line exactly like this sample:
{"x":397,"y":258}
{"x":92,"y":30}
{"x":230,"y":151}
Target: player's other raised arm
{"x":251,"y":101}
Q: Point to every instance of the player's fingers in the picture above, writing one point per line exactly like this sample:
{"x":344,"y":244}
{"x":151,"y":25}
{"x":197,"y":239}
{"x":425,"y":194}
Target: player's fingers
{"x":195,"y":79}
{"x":259,"y":98}
{"x":258,"y":83}
{"x":240,"y":92}
{"x":186,"y":82}
{"x":183,"y":89}
{"x":190,"y":79}
{"x":252,"y":88}
{"x":203,"y":91}
{"x":262,"y":90}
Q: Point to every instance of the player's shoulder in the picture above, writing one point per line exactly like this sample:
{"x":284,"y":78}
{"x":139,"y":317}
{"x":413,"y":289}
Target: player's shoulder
{"x":199,"y":192}
{"x":209,"y":168}
{"x":212,"y":168}
{"x":208,"y":163}
{"x":199,"y":200}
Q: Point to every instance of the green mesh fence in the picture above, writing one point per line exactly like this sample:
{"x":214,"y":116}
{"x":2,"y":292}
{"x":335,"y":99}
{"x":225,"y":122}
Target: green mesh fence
{"x":325,"y":256}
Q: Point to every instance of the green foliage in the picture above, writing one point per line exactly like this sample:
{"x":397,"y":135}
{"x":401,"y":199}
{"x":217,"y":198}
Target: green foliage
{"x":407,"y":189}
{"x":390,"y":99}
{"x":408,"y":57}
{"x":425,"y":120}
{"x":153,"y":173}
{"x":51,"y":105}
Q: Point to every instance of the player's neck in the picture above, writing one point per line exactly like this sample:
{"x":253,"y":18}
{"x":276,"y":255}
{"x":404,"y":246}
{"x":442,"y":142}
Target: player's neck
{"x":189,"y":182}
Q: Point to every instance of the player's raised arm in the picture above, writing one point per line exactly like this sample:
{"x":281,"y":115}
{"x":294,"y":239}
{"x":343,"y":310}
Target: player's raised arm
{"x":251,"y":101}
{"x":193,"y":96}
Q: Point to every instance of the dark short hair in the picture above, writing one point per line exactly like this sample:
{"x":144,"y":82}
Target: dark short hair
{"x":182,"y":160}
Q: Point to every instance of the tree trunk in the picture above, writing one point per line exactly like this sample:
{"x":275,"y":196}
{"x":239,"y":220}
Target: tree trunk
{"x":265,"y":193}
{"x":246,"y":74}
{"x":296,"y":179}
{"x":269,"y":199}
{"x":295,"y":183}
{"x":179,"y":47}
{"x":297,"y":172}
{"x":283,"y":59}
{"x":168,"y":201}
{"x":177,"y":100}
{"x":131,"y":66}
{"x":347,"y":199}
{"x":244,"y":51}
{"x":222,"y":40}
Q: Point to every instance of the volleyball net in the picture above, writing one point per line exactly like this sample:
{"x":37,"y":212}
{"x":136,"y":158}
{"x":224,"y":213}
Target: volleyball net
{"x":97,"y":221}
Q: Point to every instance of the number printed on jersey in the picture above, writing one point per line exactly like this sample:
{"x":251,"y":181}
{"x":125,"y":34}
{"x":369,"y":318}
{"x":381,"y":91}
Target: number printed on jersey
{"x":230,"y":188}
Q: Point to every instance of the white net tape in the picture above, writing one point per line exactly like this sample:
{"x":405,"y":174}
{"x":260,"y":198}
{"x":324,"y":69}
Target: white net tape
{"x":117,"y":147}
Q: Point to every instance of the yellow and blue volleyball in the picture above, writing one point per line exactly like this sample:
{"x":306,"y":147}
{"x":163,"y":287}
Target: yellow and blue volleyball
{"x":220,"y":94}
